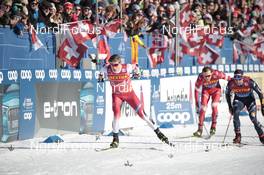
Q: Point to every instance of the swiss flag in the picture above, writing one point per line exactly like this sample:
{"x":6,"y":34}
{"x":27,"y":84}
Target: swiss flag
{"x":155,"y":56}
{"x":71,"y":52}
{"x":35,"y":41}
{"x":193,"y":51}
{"x":103,"y":48}
{"x":185,"y":16}
{"x":259,"y":50}
{"x":215,"y":38}
{"x":112,"y":28}
{"x":244,"y":48}
{"x":196,"y":38}
{"x":82,"y":31}
{"x":207,"y":55}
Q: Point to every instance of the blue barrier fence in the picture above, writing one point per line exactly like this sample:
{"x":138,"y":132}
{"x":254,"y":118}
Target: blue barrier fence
{"x":16,"y":52}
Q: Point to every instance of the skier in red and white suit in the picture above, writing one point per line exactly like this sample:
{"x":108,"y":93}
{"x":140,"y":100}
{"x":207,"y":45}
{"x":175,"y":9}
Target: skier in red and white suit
{"x":209,"y":81}
{"x":119,"y":76}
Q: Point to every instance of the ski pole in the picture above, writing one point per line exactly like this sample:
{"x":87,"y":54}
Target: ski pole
{"x":230,"y":117}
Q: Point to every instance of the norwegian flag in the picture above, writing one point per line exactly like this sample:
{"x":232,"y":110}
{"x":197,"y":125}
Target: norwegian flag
{"x":35,"y":41}
{"x":155,"y":56}
{"x":185,"y":16}
{"x":71,"y":53}
{"x":112,"y":28}
{"x":215,"y":38}
{"x":81,"y":31}
{"x":259,"y":50}
{"x":103,"y":48}
{"x":207,"y":55}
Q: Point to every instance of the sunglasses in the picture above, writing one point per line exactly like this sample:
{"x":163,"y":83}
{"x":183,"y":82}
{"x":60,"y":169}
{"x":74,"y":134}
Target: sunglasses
{"x":207,"y":76}
{"x":114,"y":64}
{"x":237,"y":77}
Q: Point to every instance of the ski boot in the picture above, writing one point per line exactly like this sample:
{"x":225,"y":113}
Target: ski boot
{"x":115,"y":141}
{"x":198,"y":133}
{"x":212,"y":131}
{"x":237,"y":139}
{"x":161,"y":136}
{"x":261,"y":138}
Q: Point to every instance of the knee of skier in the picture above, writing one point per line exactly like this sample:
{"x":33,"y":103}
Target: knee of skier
{"x":203,"y":107}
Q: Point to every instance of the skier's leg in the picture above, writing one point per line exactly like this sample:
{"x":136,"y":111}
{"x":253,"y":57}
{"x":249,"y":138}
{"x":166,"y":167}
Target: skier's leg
{"x":252,"y":110}
{"x":215,"y":101}
{"x":237,"y":107}
{"x":116,"y":106}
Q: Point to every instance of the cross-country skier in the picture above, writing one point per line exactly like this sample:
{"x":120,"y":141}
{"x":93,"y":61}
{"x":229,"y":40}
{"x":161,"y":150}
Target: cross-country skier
{"x":242,"y":88}
{"x":119,"y":76}
{"x":208,"y":79}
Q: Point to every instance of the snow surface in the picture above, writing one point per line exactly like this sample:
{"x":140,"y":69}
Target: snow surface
{"x":140,"y":153}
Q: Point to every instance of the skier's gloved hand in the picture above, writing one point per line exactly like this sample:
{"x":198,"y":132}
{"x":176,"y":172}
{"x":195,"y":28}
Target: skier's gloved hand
{"x":136,"y":76}
{"x":100,"y":78}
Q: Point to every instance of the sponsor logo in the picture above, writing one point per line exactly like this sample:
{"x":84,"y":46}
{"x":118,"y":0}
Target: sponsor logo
{"x":26,"y":75}
{"x":1,"y":77}
{"x":27,"y":115}
{"x":88,"y":75}
{"x":12,"y":75}
{"x":53,"y":74}
{"x":69,"y":109}
{"x":100,"y":111}
{"x":28,"y":103}
{"x":100,"y":99}
{"x":66,"y":74}
{"x":181,"y":117}
{"x":40,"y":74}
{"x":96,"y":74}
{"x":77,"y":74}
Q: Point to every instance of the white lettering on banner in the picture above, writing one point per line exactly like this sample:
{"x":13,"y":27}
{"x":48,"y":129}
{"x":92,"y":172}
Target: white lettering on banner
{"x":100,"y":111}
{"x":12,"y":75}
{"x":96,"y":74}
{"x":40,"y":74}
{"x":88,"y":74}
{"x":77,"y":74}
{"x":53,"y":74}
{"x":176,"y":116}
{"x":155,"y":73}
{"x":173,"y":106}
{"x":100,"y":86}
{"x":1,"y":77}
{"x":27,"y":115}
{"x":26,"y":75}
{"x":68,"y":108}
{"x":66,"y":74}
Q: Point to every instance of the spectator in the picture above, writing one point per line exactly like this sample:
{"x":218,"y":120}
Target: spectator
{"x":69,"y":15}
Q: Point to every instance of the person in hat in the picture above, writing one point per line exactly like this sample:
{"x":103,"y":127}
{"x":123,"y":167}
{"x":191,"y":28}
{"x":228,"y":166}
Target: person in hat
{"x":243,"y":87}
{"x":122,"y":91}
{"x":208,"y":80}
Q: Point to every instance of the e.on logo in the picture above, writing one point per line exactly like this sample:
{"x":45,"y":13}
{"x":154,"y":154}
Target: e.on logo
{"x":69,"y":109}
{"x":181,"y":117}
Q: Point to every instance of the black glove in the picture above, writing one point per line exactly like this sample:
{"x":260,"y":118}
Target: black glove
{"x":100,"y":78}
{"x":136,"y":76}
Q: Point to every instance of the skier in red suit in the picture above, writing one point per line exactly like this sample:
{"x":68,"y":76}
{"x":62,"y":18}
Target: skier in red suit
{"x":243,"y":88}
{"x":119,"y":76}
{"x":209,"y":81}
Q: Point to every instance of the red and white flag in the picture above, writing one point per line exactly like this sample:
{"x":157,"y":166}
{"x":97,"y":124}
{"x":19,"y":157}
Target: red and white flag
{"x":112,"y":28}
{"x":244,"y":48}
{"x":207,"y":55}
{"x":35,"y":41}
{"x":81,"y":31}
{"x":235,"y":53}
{"x":259,"y":50}
{"x":155,"y":56}
{"x":185,"y":16}
{"x":215,"y":38}
{"x":103,"y":48}
{"x":71,"y":52}
{"x":196,"y":38}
